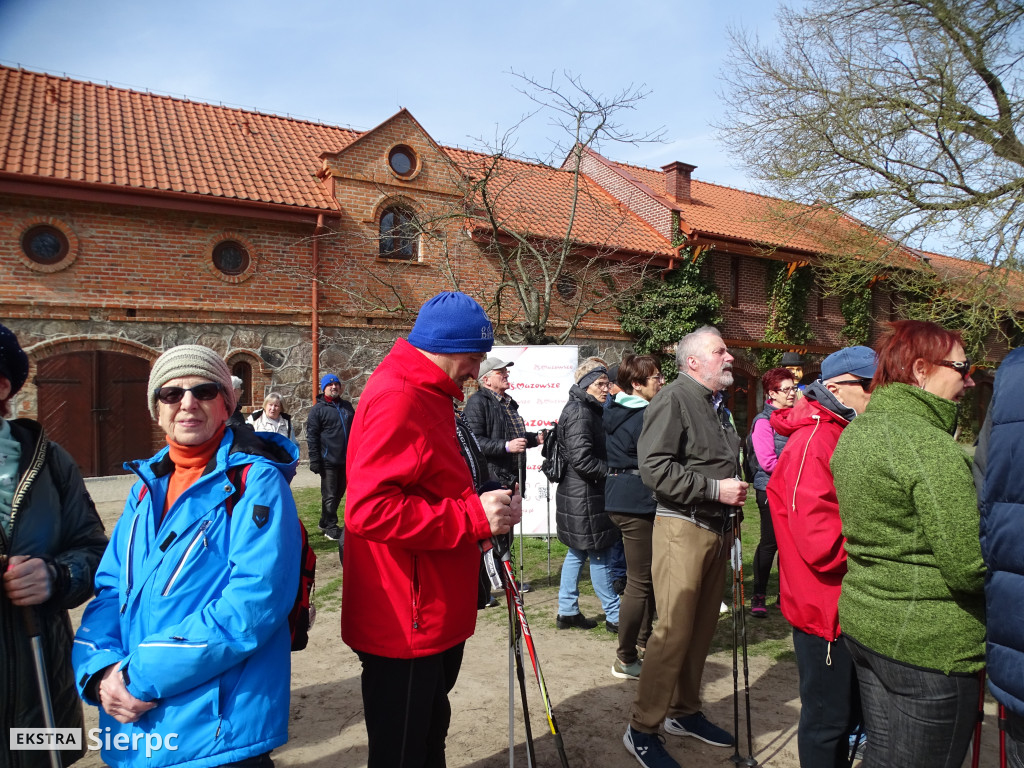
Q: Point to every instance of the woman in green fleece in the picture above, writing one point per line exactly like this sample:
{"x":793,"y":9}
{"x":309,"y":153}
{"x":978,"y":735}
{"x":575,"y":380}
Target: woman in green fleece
{"x":912,"y":607}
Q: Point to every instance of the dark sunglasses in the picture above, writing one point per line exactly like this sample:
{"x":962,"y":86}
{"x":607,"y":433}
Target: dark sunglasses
{"x":172,"y":395}
{"x":963,"y":367}
{"x":864,"y":384}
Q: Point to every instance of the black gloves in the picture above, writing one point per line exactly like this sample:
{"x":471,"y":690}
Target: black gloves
{"x":316,"y":466}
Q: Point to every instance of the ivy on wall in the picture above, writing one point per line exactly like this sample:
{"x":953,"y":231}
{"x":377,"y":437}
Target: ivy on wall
{"x":663,"y":311}
{"x":856,"y":309}
{"x":787,"y":309}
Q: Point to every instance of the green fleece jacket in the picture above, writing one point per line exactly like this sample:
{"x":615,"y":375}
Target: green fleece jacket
{"x":914,"y":588}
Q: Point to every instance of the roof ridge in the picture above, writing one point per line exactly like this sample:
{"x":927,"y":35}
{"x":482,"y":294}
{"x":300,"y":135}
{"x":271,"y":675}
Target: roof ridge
{"x":705,"y":183}
{"x":183,"y":98}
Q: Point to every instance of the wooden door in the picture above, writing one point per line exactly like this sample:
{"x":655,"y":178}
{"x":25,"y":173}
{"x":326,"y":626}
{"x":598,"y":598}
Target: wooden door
{"x":94,"y":405}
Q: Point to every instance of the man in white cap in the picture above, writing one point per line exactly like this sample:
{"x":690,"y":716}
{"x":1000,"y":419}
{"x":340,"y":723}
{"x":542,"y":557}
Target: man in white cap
{"x":494,"y":417}
{"x":414,"y":524}
{"x":187,"y":638}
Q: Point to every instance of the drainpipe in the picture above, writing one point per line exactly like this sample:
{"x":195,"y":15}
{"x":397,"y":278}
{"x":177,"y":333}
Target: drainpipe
{"x":315,"y":303}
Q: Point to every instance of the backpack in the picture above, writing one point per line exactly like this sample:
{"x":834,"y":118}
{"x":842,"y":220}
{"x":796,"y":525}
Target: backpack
{"x":303,"y":613}
{"x":554,"y":463}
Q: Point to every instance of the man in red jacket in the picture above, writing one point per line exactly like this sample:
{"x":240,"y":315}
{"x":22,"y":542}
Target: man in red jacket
{"x":414,"y":523}
{"x":812,"y":560}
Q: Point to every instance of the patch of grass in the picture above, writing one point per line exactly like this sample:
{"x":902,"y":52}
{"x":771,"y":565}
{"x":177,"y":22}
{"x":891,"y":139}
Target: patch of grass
{"x":307,"y":500}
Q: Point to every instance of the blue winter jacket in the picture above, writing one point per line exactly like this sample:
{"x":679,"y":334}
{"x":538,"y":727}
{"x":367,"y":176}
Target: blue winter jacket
{"x":195,"y":612}
{"x":1000,"y":483}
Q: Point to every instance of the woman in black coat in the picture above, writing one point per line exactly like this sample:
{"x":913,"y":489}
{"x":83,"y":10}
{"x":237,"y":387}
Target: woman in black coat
{"x":631,"y":506}
{"x":583,"y":524}
{"x":51,"y":541}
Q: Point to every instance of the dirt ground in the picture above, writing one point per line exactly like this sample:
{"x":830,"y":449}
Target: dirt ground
{"x":590,"y":705}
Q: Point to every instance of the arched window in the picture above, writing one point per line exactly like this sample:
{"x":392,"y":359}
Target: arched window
{"x":398,"y":236}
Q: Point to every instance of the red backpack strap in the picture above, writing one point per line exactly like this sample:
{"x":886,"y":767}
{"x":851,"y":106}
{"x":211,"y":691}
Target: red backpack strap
{"x":237,"y":475}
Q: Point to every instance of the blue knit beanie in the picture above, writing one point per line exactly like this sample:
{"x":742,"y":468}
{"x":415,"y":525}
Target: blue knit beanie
{"x":330,"y":378}
{"x":450,"y":323}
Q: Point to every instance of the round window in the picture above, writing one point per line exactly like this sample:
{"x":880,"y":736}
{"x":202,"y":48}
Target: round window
{"x":44,"y":244}
{"x":566,"y":287}
{"x":230,"y":257}
{"x":402,"y":161}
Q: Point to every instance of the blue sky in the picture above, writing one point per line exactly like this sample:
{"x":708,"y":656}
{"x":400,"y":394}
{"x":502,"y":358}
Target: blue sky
{"x":448,"y":62}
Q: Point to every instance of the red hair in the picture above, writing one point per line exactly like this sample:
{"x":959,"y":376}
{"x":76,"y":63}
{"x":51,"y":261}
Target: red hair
{"x":905,"y":341}
{"x":772,"y":379}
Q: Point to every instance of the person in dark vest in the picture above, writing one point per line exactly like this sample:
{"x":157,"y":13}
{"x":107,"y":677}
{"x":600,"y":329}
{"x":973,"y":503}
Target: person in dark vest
{"x":327,"y":431}
{"x":1000,"y":482}
{"x":765,"y":445}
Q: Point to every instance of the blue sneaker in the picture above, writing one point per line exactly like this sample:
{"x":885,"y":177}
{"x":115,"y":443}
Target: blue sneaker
{"x":699,"y":727}
{"x":648,"y":749}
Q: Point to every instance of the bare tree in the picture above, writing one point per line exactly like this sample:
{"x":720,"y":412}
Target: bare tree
{"x":904,"y":113}
{"x":560,"y":244}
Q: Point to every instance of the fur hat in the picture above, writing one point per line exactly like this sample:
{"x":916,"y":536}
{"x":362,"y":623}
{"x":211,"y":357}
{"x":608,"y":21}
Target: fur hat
{"x":191,"y":360}
{"x":13,"y":360}
{"x":452,"y":322}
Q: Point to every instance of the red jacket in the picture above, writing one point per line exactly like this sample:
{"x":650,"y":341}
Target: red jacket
{"x":805,"y":513}
{"x":413,"y":519}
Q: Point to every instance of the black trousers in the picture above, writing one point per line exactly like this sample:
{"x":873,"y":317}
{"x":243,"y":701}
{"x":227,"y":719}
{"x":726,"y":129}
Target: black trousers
{"x":406,"y":708}
{"x":766,"y":550}
{"x":829,"y":701}
{"x":332,"y":488}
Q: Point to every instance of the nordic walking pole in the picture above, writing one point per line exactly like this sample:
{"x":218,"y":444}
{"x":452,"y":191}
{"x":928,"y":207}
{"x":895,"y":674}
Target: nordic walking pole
{"x":35,"y":638}
{"x":502,"y":545}
{"x":738,"y":560}
{"x":522,"y":493}
{"x":528,"y":638}
{"x":735,"y":656}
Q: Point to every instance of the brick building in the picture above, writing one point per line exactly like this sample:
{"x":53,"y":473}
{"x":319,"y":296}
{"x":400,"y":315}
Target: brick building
{"x":131,"y":222}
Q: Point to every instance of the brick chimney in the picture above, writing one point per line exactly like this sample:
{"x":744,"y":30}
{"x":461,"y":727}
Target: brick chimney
{"x":677,"y":180}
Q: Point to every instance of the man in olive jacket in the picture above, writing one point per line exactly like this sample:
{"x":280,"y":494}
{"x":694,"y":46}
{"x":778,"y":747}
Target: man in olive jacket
{"x":689,"y":456}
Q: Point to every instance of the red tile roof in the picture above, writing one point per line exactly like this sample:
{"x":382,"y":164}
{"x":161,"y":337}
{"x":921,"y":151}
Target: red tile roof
{"x":77,"y":131}
{"x":538,"y":200}
{"x":72,"y":130}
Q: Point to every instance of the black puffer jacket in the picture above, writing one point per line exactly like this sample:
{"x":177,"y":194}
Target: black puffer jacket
{"x":54,"y":518}
{"x":485,"y":415}
{"x":582,"y":521}
{"x":625,"y":493}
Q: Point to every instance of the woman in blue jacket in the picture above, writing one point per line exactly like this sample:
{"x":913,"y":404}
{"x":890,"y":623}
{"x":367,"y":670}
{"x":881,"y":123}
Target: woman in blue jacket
{"x":186,"y":646}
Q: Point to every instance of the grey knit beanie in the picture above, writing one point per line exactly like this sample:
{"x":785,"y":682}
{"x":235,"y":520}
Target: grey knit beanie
{"x":191,"y":360}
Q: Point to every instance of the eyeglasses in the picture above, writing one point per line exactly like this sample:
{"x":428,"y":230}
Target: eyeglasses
{"x":603,"y":384}
{"x":787,"y":390}
{"x":864,"y":384}
{"x":659,"y":377}
{"x":963,"y":367}
{"x":172,"y":395}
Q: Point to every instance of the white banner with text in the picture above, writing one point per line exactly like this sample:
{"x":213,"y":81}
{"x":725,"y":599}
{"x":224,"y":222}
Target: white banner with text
{"x":539,"y":382}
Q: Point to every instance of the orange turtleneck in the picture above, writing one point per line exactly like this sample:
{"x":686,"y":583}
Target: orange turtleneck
{"x":189,"y":463}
